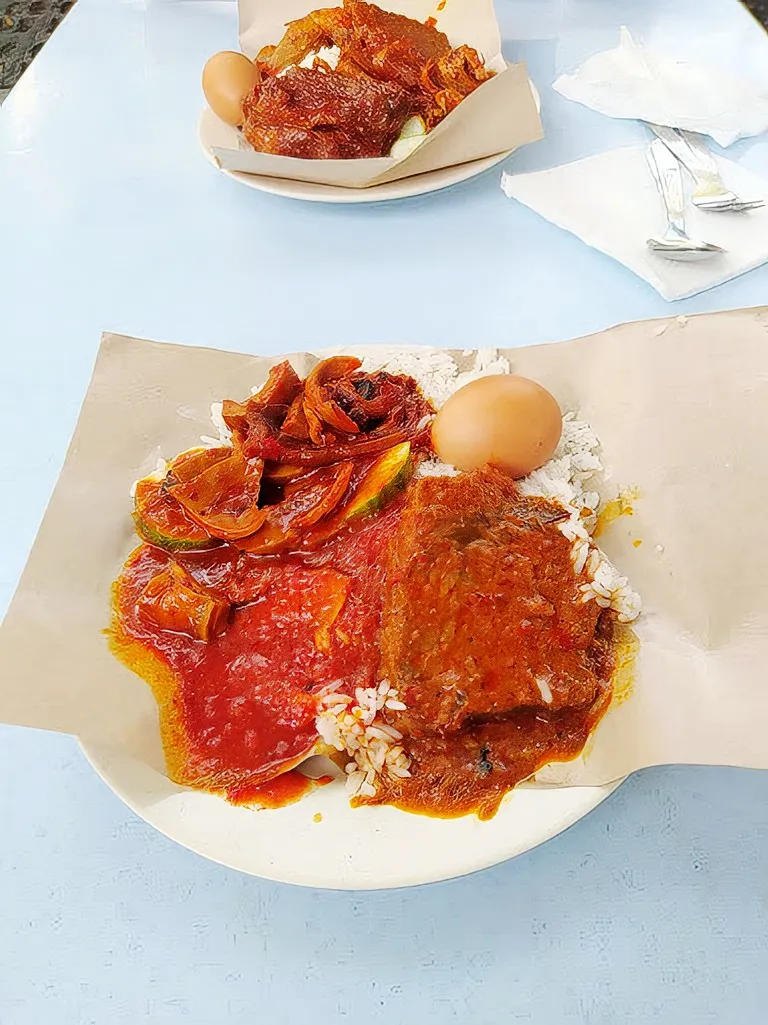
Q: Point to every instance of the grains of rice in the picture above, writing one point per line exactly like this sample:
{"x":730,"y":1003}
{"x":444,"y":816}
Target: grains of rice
{"x":543,"y":683}
{"x":223,"y":432}
{"x":348,"y":724}
{"x":159,"y":472}
{"x":434,"y":370}
{"x":571,"y":478}
{"x":434,"y":468}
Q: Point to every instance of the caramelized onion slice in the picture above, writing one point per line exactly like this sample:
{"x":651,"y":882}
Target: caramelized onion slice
{"x":301,"y":38}
{"x":235,"y":415}
{"x":308,"y":500}
{"x":224,"y":498}
{"x":317,"y":396}
{"x":191,"y":464}
{"x":282,"y":471}
{"x":282,"y":386}
{"x":365,"y":446}
{"x":161,"y":521}
{"x":295,"y":424}
{"x":172,"y":600}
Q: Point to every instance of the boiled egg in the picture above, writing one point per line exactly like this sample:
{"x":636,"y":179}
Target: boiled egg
{"x":508,"y":421}
{"x":228,"y":78}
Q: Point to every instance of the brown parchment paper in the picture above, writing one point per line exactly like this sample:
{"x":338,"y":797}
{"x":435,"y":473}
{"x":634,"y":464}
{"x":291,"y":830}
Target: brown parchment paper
{"x":497,"y":118}
{"x":681,"y":408}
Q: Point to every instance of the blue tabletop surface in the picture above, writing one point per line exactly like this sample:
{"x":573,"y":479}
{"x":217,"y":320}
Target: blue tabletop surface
{"x":655,"y":907}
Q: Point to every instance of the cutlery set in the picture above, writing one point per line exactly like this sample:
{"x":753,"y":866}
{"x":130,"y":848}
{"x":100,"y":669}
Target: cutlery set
{"x":670,"y":152}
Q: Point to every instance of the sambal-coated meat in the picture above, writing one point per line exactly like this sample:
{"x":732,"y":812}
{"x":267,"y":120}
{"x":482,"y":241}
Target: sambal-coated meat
{"x":501,"y":666}
{"x":325,"y":115}
{"x":472,"y":770}
{"x":483,"y":613}
{"x":390,"y":46}
{"x":447,"y":80}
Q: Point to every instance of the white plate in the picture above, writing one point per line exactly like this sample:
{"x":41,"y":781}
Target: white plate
{"x":209,"y":134}
{"x":363,"y":849}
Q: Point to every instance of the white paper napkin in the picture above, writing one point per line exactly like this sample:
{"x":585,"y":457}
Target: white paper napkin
{"x":611,"y":202}
{"x":632,"y":82}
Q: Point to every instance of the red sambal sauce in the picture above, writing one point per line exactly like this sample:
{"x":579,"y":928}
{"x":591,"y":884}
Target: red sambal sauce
{"x":240,"y":708}
{"x":285,"y":789}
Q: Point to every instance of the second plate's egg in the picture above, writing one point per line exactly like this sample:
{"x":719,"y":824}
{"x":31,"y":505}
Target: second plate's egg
{"x":503,"y":420}
{"x":228,"y":78}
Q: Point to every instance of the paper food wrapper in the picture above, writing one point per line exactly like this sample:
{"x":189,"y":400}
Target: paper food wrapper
{"x":498,"y":117}
{"x":681,"y":408}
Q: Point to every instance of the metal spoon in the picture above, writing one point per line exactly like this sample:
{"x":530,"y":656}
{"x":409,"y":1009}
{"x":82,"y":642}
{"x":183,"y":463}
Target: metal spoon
{"x":710,"y":191}
{"x":675,"y":243}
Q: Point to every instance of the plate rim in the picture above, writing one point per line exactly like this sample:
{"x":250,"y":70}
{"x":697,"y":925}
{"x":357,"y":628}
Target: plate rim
{"x":593,"y":797}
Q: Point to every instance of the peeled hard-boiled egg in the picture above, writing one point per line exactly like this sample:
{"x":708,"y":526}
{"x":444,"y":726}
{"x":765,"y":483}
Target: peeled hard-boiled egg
{"x":505,"y":420}
{"x":228,"y":78}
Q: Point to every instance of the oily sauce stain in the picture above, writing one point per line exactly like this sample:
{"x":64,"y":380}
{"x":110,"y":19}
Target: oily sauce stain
{"x":238,"y":710}
{"x":622,"y":505}
{"x":278,"y":792}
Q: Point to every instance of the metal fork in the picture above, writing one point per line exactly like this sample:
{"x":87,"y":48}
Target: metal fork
{"x":675,"y":243}
{"x":709,"y":192}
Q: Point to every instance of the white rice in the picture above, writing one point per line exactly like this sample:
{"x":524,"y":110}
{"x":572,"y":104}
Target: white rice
{"x":223,"y":433}
{"x":434,"y":468}
{"x":572,"y":478}
{"x":349,"y":725}
{"x":434,"y":370}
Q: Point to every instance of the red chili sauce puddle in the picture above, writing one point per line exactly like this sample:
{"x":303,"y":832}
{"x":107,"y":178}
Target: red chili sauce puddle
{"x":241,"y":707}
{"x":278,"y":792}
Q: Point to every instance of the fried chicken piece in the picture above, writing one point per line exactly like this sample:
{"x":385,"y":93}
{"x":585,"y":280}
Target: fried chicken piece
{"x":325,"y":115}
{"x":448,"y":79}
{"x":389,"y":47}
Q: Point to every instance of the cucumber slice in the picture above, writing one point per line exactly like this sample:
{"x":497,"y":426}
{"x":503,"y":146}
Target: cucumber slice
{"x":382,"y":480}
{"x":161,"y":521}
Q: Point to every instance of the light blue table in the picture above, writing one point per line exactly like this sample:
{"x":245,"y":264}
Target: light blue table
{"x":655,"y":908}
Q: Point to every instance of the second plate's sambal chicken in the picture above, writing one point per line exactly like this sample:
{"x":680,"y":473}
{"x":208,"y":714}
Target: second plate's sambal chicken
{"x":344,"y":82}
{"x":320,"y":584}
